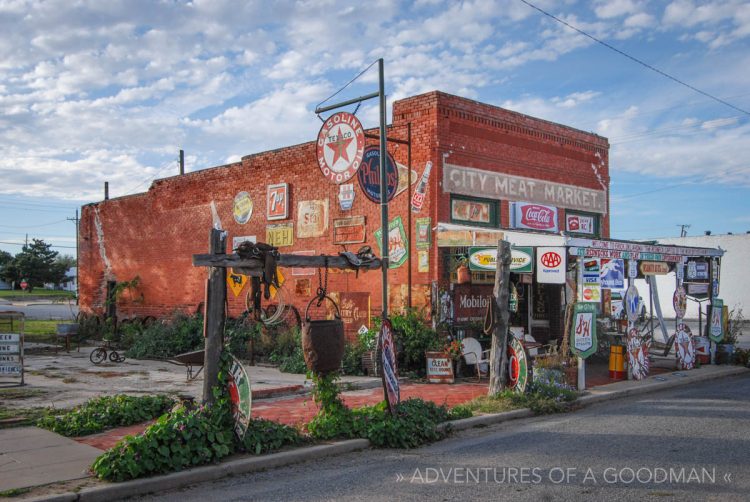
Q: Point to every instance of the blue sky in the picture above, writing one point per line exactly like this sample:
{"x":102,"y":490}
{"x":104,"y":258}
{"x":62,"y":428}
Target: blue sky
{"x":97,"y":91}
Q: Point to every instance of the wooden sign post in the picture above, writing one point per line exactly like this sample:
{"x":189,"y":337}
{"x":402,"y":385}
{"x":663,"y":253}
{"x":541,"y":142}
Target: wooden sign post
{"x":498,"y":355}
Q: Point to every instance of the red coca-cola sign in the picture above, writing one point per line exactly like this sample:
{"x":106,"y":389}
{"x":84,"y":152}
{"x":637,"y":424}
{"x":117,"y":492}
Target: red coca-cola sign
{"x":536,"y":217}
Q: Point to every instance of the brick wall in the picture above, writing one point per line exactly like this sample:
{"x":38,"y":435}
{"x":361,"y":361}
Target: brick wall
{"x":154,"y":234}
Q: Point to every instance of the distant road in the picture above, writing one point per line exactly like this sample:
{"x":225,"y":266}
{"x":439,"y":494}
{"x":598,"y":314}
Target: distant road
{"x":41,"y":310}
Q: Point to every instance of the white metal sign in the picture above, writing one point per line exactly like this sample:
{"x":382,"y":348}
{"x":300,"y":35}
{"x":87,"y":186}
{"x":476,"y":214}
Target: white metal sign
{"x":632,"y":303}
{"x":550,"y":265}
{"x":632,"y":269}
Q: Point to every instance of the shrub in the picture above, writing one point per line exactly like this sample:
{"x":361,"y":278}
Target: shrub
{"x":413,"y":338}
{"x":460,"y":411}
{"x":181,"y":439}
{"x":171,"y":336}
{"x":264,"y":436}
{"x":289,"y":355}
{"x":239,"y":333}
{"x":106,"y":412}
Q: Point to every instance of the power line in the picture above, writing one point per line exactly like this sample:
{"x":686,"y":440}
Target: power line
{"x":22,"y":244}
{"x":632,"y":58}
{"x":34,"y":226}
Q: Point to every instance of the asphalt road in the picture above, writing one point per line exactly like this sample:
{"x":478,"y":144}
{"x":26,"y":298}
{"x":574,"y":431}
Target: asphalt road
{"x":40,"y":310}
{"x":680,"y":444}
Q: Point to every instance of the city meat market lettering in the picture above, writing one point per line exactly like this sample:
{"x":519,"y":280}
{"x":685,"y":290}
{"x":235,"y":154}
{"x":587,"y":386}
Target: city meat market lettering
{"x":488,"y":184}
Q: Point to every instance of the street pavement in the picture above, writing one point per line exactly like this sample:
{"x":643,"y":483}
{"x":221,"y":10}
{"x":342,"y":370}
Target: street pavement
{"x":42,"y":309}
{"x":686,"y":443}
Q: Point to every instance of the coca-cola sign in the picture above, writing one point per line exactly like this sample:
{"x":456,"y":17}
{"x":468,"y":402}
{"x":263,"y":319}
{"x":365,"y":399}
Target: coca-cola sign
{"x":534,"y":216}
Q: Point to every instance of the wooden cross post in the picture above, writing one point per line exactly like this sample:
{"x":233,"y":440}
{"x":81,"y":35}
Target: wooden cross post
{"x":498,"y":354}
{"x":213,"y":322}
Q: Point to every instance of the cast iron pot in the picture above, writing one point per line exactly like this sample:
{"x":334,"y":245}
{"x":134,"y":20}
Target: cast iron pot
{"x":323,"y":341}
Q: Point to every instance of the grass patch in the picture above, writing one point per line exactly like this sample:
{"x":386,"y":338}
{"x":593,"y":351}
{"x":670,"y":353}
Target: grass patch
{"x":541,"y":398}
{"x":27,"y":416}
{"x":19,"y":393}
{"x":15,"y":294}
{"x":495,"y":404}
{"x":14,"y":492}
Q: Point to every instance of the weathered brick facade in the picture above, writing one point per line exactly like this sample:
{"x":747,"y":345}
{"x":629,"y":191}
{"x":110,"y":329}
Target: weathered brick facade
{"x":154,"y":235}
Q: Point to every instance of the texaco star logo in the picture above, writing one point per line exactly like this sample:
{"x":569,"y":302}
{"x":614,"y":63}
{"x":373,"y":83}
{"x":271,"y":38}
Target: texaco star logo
{"x":341,"y":144}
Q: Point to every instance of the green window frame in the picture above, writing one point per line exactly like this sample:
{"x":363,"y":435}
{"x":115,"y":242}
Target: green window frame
{"x":487,"y":211}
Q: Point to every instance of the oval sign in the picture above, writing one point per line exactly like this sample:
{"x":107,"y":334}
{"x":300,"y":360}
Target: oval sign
{"x":484,"y":259}
{"x":341,"y":144}
{"x":679,"y":301}
{"x":242,"y":208}
{"x":632,"y":303}
{"x":369,"y":174}
{"x":521,"y":260}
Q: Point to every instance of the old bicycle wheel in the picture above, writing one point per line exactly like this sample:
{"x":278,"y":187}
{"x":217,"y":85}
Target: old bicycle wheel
{"x":115,"y":357}
{"x":98,"y":355}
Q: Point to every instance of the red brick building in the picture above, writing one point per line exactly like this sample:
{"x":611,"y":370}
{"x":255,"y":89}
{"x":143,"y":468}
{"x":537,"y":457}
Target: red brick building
{"x":484,"y":160}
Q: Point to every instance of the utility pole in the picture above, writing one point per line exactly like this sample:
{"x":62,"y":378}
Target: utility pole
{"x":76,"y":220}
{"x":683,"y":229}
{"x":182,"y":162}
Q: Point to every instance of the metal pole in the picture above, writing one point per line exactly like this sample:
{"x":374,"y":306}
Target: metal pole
{"x":383,"y":191}
{"x":408,"y":207}
{"x":182,"y":162}
{"x":106,"y":190}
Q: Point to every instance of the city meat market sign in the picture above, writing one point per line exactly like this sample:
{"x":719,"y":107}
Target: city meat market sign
{"x":341,"y":145}
{"x":492,"y":185}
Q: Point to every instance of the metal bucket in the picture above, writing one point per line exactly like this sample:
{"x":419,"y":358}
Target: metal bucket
{"x":323,"y":341}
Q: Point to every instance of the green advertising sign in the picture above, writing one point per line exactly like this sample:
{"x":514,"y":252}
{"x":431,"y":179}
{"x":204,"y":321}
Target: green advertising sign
{"x":716,"y":331}
{"x":583,"y":331}
{"x":398,"y":245}
{"x":485,"y":258}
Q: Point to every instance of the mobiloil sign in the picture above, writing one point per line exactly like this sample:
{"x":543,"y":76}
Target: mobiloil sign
{"x":483,"y":258}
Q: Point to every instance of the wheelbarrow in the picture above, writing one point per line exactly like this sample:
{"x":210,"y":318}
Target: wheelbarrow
{"x":190,"y":360}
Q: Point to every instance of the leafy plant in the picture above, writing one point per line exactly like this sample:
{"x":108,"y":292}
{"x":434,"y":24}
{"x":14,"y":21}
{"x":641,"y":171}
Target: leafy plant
{"x":239,"y":333}
{"x":734,"y":326}
{"x":741,"y":356}
{"x":264,"y":436}
{"x":167,"y":337}
{"x":105,"y":412}
{"x":289,"y":356}
{"x":413,"y":338}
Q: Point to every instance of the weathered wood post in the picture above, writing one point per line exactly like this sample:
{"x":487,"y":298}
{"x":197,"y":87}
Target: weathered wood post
{"x":498,"y":355}
{"x":213,"y":322}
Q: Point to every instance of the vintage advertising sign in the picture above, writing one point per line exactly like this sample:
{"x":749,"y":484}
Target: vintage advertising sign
{"x":471,"y":211}
{"x":312,"y":218}
{"x":684,"y":344}
{"x":439,"y":367}
{"x":277,"y":201}
{"x":653,"y":268}
{"x":354,"y":308}
{"x":236,"y":282}
{"x":470,"y":301}
{"x":494,"y":185}
{"x":349,"y":230}
{"x":341,"y":146}
{"x":534,"y":216}
{"x":583,"y":330}
{"x":697,"y":289}
{"x":423,"y":260}
{"x":580,"y":224}
{"x":518,"y":366}
{"x":424,"y":232}
{"x":632,"y":269}
{"x":420,"y":192}
{"x":632,"y":303}
{"x":398,"y":244}
{"x":638,"y":362}
{"x":551,"y":265}
{"x":697,"y":270}
{"x":280,"y":234}
{"x":483,"y":259}
{"x":346,"y":196}
{"x":242,"y":207}
{"x":369,"y":175}
{"x":716,"y":329}
{"x":591,"y":287}
{"x":522,"y":259}
{"x":11,"y":355}
{"x":612,"y":273}
{"x":388,"y":360}
{"x":403,"y":178}
{"x":679,"y":302}
{"x":240,"y":396}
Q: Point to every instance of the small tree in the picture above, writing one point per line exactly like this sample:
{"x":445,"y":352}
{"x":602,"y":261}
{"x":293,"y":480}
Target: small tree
{"x":36,"y":263}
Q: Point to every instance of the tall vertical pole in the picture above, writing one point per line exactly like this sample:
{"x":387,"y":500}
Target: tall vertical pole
{"x":106,"y":190}
{"x":182,"y":161}
{"x":213,"y":321}
{"x":383,"y":190}
{"x":408,"y":208}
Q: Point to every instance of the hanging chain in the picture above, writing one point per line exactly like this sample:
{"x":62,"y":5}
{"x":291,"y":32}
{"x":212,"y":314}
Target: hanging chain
{"x":322,"y":284}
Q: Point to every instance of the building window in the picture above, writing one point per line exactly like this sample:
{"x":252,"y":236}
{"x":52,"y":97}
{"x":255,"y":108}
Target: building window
{"x":475,"y":211}
{"x":582,"y":224}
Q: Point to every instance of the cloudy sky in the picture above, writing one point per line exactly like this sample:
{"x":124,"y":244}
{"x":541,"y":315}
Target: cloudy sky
{"x":94,"y":91}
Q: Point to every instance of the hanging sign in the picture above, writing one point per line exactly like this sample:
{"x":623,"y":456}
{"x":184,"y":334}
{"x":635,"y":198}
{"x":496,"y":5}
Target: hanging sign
{"x":632,"y":303}
{"x":653,"y":268}
{"x":280,"y":234}
{"x":312,"y":218}
{"x":485,"y":259}
{"x":522,"y":260}
{"x":612,"y":273}
{"x":697,"y":289}
{"x":716,"y":330}
{"x":679,"y":302}
{"x":513,"y":299}
{"x":369,"y":175}
{"x":637,"y":355}
{"x":236,"y":282}
{"x":346,"y":196}
{"x":277,"y":202}
{"x":684,"y":347}
{"x":534,"y":216}
{"x":398,"y":245}
{"x":417,"y":199}
{"x":423,"y":260}
{"x":697,"y":270}
{"x":423,"y":230}
{"x":632,"y":269}
{"x":518,"y":366}
{"x":240,"y":395}
{"x":390,"y":371}
{"x":583,"y":330}
{"x":340,"y":148}
{"x":550,"y":265}
{"x":242,"y":207}
{"x":349,"y":230}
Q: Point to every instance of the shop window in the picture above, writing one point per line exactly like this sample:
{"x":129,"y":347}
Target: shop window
{"x":582,"y":224}
{"x":475,"y":211}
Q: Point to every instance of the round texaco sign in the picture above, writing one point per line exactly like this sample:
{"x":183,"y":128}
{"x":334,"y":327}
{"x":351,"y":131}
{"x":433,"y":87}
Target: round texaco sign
{"x":341,"y":144}
{"x":684,"y":347}
{"x":637,"y":355}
